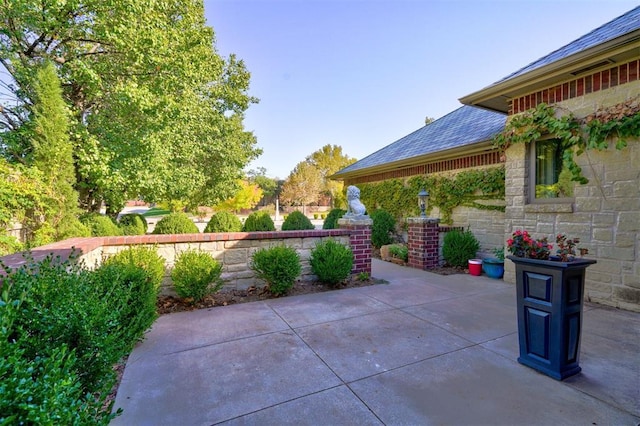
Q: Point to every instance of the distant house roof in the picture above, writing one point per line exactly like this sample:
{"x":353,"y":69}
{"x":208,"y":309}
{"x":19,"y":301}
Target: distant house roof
{"x":462,"y":127}
{"x":605,"y":44}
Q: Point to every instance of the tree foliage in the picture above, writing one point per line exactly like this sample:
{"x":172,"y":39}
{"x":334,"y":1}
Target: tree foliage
{"x":247,"y":197}
{"x":329,"y":160}
{"x":155,"y":111}
{"x":303,"y":186}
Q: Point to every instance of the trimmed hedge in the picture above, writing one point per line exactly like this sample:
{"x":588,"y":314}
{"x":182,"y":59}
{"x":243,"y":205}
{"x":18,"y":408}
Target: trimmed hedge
{"x":224,"y":222}
{"x":297,"y":221}
{"x":176,"y":223}
{"x":258,"y":221}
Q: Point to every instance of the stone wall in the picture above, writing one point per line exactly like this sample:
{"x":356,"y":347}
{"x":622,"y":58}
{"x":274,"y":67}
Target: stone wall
{"x":605,"y":214}
{"x":234,"y":250}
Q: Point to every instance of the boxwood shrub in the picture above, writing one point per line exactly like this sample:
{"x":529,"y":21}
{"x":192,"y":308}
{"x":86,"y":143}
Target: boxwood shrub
{"x":278,"y":266}
{"x":331,"y":221}
{"x":297,"y":221}
{"x":331,"y":262}
{"x":224,"y":222}
{"x":176,"y":223}
{"x":196,"y":274}
{"x":258,"y":221}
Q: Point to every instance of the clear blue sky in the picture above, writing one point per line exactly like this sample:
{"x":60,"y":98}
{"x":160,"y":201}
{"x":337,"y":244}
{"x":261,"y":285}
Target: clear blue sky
{"x":363,"y":73}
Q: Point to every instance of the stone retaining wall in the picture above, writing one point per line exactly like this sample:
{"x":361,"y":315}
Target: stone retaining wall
{"x":234,"y":250}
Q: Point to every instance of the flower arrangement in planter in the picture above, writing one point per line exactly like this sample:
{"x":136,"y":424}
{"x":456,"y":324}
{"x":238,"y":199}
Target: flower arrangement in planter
{"x":521,"y":244}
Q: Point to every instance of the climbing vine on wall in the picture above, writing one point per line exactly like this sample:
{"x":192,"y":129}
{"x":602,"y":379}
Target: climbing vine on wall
{"x":468,"y":188}
{"x":620,"y":121}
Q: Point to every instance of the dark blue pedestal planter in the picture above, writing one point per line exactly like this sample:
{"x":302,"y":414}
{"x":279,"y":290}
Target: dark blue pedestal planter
{"x":549,"y":301}
{"x":493,"y":267}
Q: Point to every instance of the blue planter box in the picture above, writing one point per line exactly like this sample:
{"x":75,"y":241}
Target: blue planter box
{"x":549,"y":301}
{"x":493,"y":267}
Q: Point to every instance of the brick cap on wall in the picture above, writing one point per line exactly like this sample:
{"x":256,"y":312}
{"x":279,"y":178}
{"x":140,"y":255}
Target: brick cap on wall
{"x":64,"y":249}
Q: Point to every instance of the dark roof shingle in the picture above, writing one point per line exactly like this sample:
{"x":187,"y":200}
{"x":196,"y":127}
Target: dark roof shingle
{"x":465,"y":126}
{"x":618,"y":27}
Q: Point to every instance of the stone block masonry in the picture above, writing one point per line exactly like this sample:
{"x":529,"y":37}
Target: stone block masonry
{"x":233,"y":250}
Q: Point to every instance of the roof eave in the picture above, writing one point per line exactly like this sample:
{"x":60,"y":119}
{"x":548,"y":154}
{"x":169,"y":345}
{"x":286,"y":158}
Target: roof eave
{"x":475,"y":148}
{"x":496,"y":97}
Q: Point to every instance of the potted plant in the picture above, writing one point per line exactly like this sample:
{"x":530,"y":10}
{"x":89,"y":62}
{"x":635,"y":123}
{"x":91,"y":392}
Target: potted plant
{"x":549,"y":301}
{"x":494,"y":266}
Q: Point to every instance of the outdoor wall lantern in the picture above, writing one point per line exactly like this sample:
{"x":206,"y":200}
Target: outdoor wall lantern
{"x":423,"y":199}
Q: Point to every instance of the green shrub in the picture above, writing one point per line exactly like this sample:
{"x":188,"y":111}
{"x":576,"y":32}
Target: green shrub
{"x":331,"y":220}
{"x":458,"y":247}
{"x":133,"y":224}
{"x":9,"y":245}
{"x":383,"y":228}
{"x":146,"y":258}
{"x":73,"y":325}
{"x":331,"y":262}
{"x":176,"y":223}
{"x":258,"y":221}
{"x":399,"y":251}
{"x":72,"y":227}
{"x":278,"y":266}
{"x":297,"y":221}
{"x":196,"y":274}
{"x":100,"y":225}
{"x":224,"y":222}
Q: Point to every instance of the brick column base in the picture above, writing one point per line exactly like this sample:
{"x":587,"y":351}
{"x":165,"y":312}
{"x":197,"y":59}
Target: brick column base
{"x":360,"y":241}
{"x":423,"y":242}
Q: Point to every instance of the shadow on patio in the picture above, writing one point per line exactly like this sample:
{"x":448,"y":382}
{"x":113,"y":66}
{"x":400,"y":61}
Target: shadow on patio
{"x":423,"y":349}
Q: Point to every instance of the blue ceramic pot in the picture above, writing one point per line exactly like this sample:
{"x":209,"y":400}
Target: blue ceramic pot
{"x":493,"y":267}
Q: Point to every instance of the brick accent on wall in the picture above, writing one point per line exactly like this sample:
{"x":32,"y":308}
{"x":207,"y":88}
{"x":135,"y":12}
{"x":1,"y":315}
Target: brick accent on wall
{"x":423,"y":242}
{"x":601,"y":80}
{"x":470,"y":161}
{"x":360,"y":241}
{"x":233,"y":249}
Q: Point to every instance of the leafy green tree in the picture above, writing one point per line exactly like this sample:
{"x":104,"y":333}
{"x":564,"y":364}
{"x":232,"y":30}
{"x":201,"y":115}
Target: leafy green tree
{"x":247,"y":197}
{"x":303,"y":186}
{"x":269,"y":186}
{"x":156,"y":112}
{"x":329,"y":160}
{"x":53,"y":154}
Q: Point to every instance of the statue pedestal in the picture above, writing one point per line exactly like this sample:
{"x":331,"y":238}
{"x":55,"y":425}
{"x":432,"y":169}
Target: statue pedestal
{"x":360,"y":241}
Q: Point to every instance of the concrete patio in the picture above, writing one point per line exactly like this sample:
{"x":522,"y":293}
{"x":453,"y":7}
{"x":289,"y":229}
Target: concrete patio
{"x":422,"y":349}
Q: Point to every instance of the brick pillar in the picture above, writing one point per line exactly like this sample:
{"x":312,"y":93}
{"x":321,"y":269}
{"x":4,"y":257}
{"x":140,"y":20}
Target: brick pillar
{"x":423,"y":242}
{"x":360,"y":241}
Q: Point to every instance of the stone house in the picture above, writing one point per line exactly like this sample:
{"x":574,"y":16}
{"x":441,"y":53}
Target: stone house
{"x":595,"y":75}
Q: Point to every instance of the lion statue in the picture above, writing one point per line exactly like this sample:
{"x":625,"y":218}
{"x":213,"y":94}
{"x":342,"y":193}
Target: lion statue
{"x":354,"y":205}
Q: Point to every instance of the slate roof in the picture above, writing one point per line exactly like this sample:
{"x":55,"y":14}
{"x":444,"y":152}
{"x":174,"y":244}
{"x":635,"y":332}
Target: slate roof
{"x":620,"y":26}
{"x":465,"y":126}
